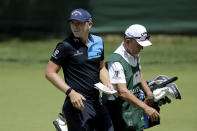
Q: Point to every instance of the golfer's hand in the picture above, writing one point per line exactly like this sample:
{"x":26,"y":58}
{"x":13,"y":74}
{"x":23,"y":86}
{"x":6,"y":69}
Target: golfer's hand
{"x":77,"y":100}
{"x":152,"y":113}
{"x":109,"y":85}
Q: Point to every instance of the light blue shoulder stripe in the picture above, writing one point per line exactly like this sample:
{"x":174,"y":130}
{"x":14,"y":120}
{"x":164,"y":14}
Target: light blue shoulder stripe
{"x":95,"y":47}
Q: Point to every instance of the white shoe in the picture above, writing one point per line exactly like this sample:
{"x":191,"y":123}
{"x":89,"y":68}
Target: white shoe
{"x":60,"y":123}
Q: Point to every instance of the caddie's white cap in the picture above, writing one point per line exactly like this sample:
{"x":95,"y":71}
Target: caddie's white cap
{"x":139,"y":33}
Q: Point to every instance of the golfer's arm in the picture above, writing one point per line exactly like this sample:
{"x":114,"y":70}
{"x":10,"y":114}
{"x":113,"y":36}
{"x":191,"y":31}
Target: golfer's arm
{"x":126,"y":95}
{"x":52,"y":75}
{"x":145,"y":87}
{"x":104,"y":75}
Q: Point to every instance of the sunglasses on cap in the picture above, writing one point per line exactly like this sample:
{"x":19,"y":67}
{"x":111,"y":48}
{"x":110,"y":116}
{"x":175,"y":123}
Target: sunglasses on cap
{"x":142,"y":38}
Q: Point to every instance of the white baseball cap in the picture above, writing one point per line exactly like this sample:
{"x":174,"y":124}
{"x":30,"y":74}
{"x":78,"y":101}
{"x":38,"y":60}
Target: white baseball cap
{"x":139,"y":33}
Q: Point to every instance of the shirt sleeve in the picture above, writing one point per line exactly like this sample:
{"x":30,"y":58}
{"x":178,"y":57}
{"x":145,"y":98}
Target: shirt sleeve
{"x":116,"y":73}
{"x":102,"y":54}
{"x":59,"y":54}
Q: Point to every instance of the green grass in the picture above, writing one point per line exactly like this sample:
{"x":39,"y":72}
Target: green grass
{"x":16,"y":50}
{"x":29,"y":102}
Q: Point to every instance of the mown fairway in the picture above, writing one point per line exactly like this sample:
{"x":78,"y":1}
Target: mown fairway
{"x":28,"y":102}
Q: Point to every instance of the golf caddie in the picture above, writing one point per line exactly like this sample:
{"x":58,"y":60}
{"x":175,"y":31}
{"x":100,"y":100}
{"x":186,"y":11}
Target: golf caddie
{"x":125,"y":108}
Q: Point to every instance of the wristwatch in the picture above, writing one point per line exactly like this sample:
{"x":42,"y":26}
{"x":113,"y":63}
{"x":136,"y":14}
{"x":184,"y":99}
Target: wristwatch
{"x":68,"y":91}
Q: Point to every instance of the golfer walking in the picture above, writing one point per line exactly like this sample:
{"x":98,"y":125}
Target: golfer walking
{"x":81,"y":56}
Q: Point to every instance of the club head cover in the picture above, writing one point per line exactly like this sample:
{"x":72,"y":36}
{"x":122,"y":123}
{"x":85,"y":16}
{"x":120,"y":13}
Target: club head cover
{"x":174,"y":91}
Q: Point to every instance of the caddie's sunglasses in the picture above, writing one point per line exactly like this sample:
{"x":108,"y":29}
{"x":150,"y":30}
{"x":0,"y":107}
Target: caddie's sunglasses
{"x":142,"y":38}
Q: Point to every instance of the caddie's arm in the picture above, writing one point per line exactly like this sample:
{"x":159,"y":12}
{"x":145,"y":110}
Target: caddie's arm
{"x":104,"y":75}
{"x":149,"y":99}
{"x":145,"y":86}
{"x":125,"y":94}
{"x":52,"y":75}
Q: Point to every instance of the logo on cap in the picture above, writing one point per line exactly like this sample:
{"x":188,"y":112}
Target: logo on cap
{"x":144,"y":36}
{"x":76,"y":13}
{"x":80,"y":15}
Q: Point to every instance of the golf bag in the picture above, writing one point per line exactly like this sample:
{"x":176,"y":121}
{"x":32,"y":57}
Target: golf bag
{"x":60,"y":123}
{"x":162,"y":87}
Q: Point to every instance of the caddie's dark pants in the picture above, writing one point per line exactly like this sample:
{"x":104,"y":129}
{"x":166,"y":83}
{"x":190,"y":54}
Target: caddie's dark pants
{"x":116,"y":116}
{"x":94,"y":117}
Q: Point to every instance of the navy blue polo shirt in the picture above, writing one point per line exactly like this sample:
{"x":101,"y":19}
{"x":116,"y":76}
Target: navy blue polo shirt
{"x":80,"y":64}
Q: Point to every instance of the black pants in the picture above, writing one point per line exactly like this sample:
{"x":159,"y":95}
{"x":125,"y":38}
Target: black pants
{"x":94,"y":117}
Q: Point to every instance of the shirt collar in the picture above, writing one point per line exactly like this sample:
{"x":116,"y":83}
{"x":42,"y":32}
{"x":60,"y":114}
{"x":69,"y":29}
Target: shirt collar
{"x":77,"y":40}
{"x":129,"y":58}
{"x":90,"y":37}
